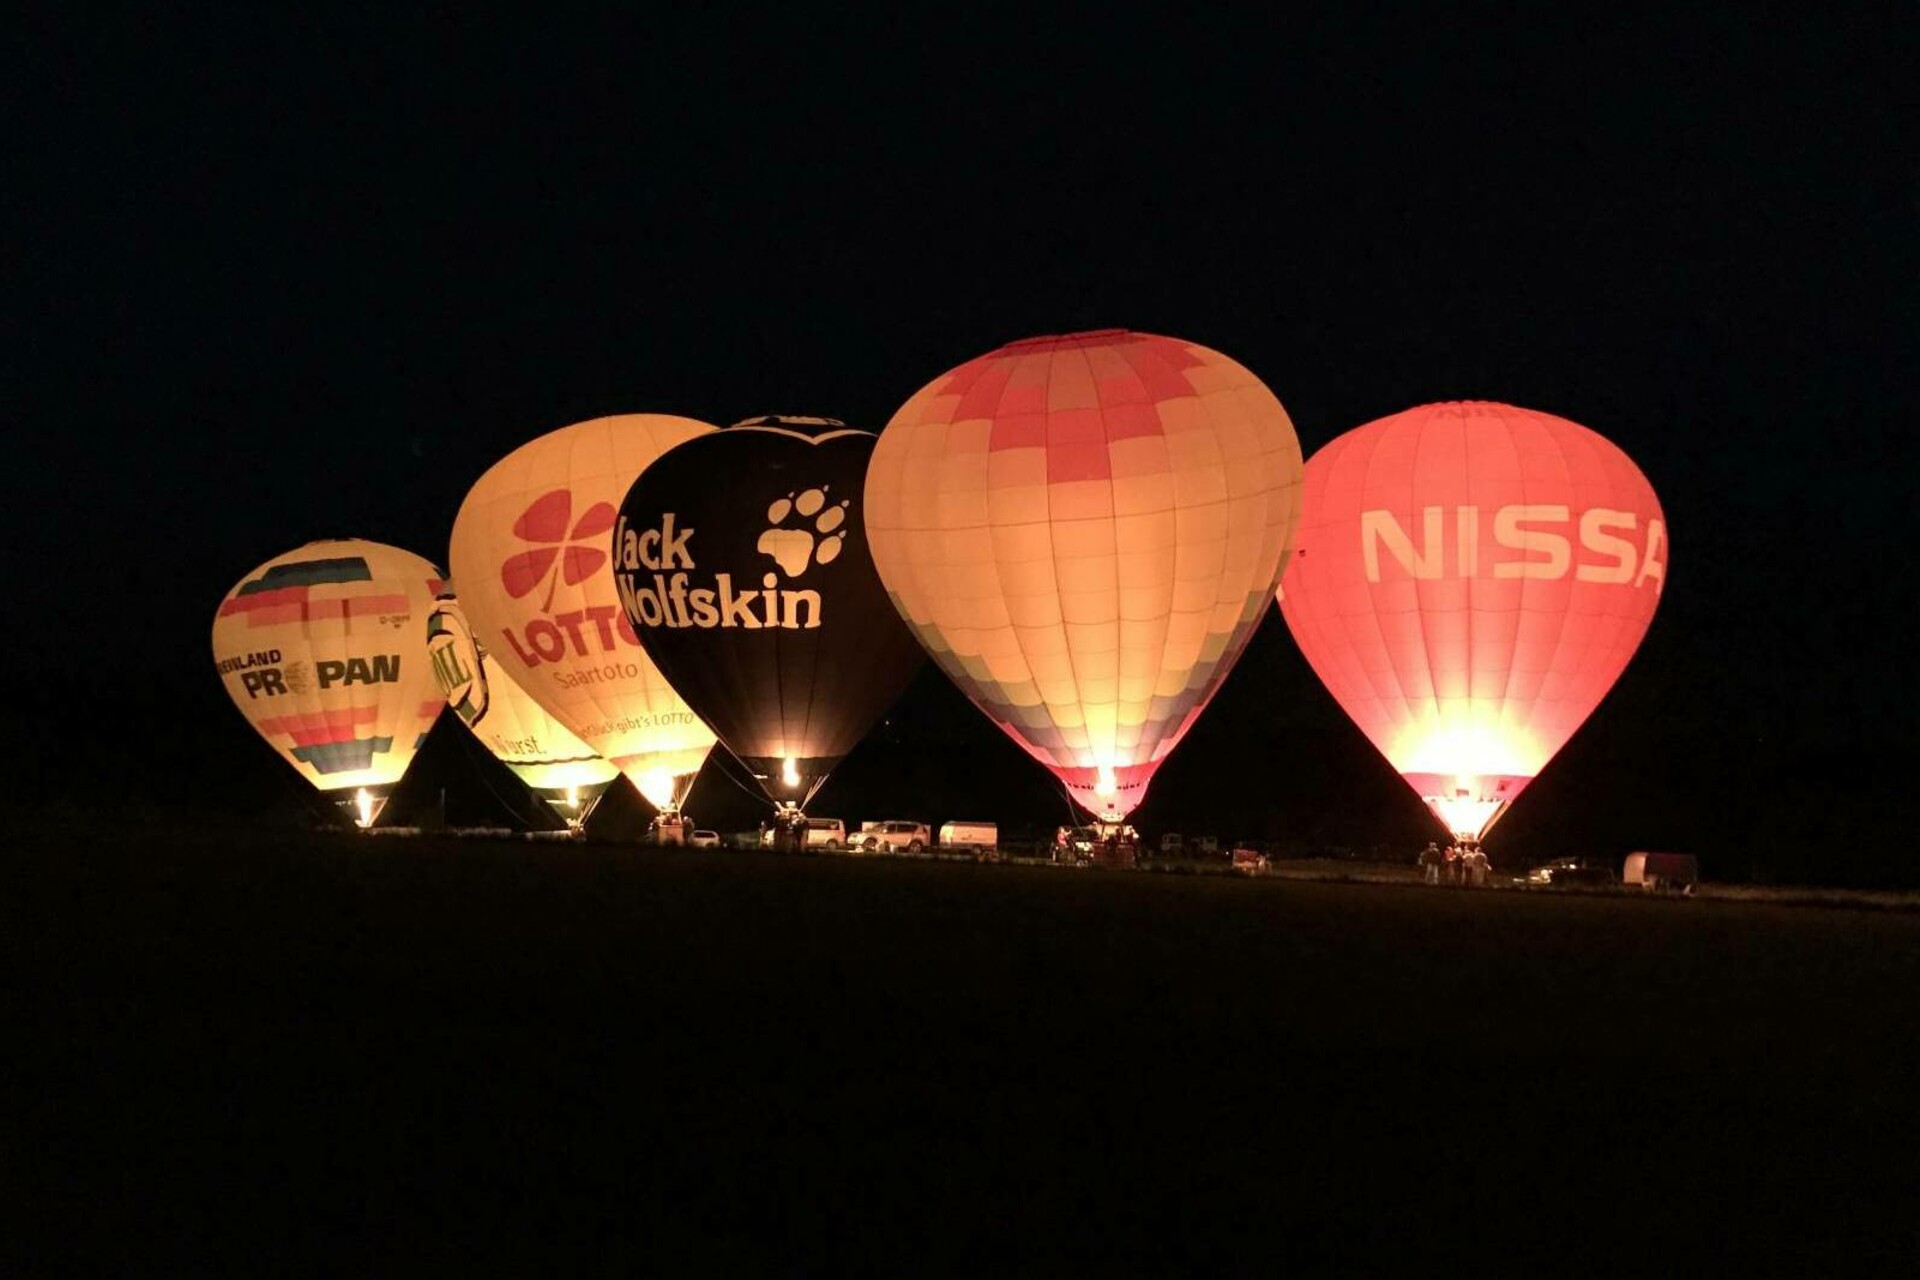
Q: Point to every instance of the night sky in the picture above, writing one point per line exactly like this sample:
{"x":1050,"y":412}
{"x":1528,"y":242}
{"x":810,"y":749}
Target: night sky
{"x":273,"y":278}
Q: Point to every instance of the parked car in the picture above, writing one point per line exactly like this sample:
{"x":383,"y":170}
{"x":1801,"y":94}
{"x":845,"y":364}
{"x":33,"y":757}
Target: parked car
{"x":1075,"y":844}
{"x":822,"y":833}
{"x":1116,"y":845}
{"x":826,"y":833}
{"x":1564,"y":872}
{"x":981,"y":837}
{"x":1249,"y":862}
{"x":895,"y":834}
{"x":704,"y":839}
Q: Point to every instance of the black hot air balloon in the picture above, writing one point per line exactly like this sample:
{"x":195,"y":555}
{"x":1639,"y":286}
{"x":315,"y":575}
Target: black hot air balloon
{"x":741,"y":560}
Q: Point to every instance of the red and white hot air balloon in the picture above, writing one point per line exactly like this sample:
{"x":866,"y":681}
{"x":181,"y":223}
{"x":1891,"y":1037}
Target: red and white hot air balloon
{"x":530,"y":554}
{"x":1469,"y":581}
{"x":1084,"y":532}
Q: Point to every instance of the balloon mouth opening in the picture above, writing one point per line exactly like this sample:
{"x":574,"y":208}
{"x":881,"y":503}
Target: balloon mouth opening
{"x":362,"y":805}
{"x":1467,"y":804}
{"x":1109,"y":792}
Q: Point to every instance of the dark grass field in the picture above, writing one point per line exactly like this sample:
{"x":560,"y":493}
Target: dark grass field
{"x":385,"y":1055}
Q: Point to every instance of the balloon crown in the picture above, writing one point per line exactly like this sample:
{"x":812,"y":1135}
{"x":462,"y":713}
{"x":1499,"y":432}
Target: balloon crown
{"x":1059,"y":341}
{"x":788,"y":420}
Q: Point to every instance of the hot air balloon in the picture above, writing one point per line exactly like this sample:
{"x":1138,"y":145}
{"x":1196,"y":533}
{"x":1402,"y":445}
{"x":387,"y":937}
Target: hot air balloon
{"x":556,"y":766}
{"x":530,"y":555}
{"x":324,"y":650}
{"x":1084,"y":532}
{"x":1470,"y":581}
{"x":741,"y":561}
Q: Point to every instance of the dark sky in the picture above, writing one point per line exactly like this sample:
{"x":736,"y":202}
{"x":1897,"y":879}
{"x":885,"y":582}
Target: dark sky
{"x":274,"y":278}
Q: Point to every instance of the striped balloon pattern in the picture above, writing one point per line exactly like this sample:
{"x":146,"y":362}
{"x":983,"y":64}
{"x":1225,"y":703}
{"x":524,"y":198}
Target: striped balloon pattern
{"x":1084,"y":531}
{"x":324,"y":651}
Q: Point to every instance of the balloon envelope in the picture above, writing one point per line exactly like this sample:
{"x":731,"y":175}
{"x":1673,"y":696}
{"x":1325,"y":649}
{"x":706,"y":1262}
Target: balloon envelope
{"x":324,"y":650}
{"x":741,"y":561}
{"x":1471,"y":579}
{"x":1084,"y":532}
{"x":540,"y":751}
{"x":530,"y":554}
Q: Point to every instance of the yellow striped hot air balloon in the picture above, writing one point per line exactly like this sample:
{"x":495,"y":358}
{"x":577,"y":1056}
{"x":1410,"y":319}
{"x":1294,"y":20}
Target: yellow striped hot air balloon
{"x":324,"y":650}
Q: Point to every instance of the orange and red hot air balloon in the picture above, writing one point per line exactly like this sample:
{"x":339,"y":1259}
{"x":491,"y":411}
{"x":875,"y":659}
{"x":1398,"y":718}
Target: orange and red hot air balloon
{"x":1469,"y":581}
{"x":1084,"y":531}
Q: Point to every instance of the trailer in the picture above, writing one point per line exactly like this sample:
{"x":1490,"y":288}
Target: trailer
{"x":1661,"y":872}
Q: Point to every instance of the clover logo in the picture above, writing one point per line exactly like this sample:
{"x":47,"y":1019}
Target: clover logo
{"x":559,"y":552}
{"x":816,"y":541}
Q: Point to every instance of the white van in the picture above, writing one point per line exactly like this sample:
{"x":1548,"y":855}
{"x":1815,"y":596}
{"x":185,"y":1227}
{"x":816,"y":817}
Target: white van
{"x":826,"y":833}
{"x":982,"y":836}
{"x":822,"y":833}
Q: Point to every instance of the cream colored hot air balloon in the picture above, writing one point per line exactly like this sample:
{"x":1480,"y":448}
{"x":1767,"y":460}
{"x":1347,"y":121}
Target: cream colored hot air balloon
{"x":530,"y":553}
{"x":1084,"y":532}
{"x":324,"y":650}
{"x":543,"y":753}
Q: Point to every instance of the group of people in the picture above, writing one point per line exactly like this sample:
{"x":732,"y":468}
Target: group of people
{"x":1456,"y":864}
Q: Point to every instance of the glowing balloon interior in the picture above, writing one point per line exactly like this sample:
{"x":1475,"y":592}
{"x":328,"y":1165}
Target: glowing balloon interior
{"x":324,"y":651}
{"x":1471,"y":579}
{"x":542,"y":753}
{"x":530,"y":554}
{"x":1084,"y":532}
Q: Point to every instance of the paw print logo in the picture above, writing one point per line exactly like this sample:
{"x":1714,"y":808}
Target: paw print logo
{"x":559,"y":552}
{"x":817,"y":539}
